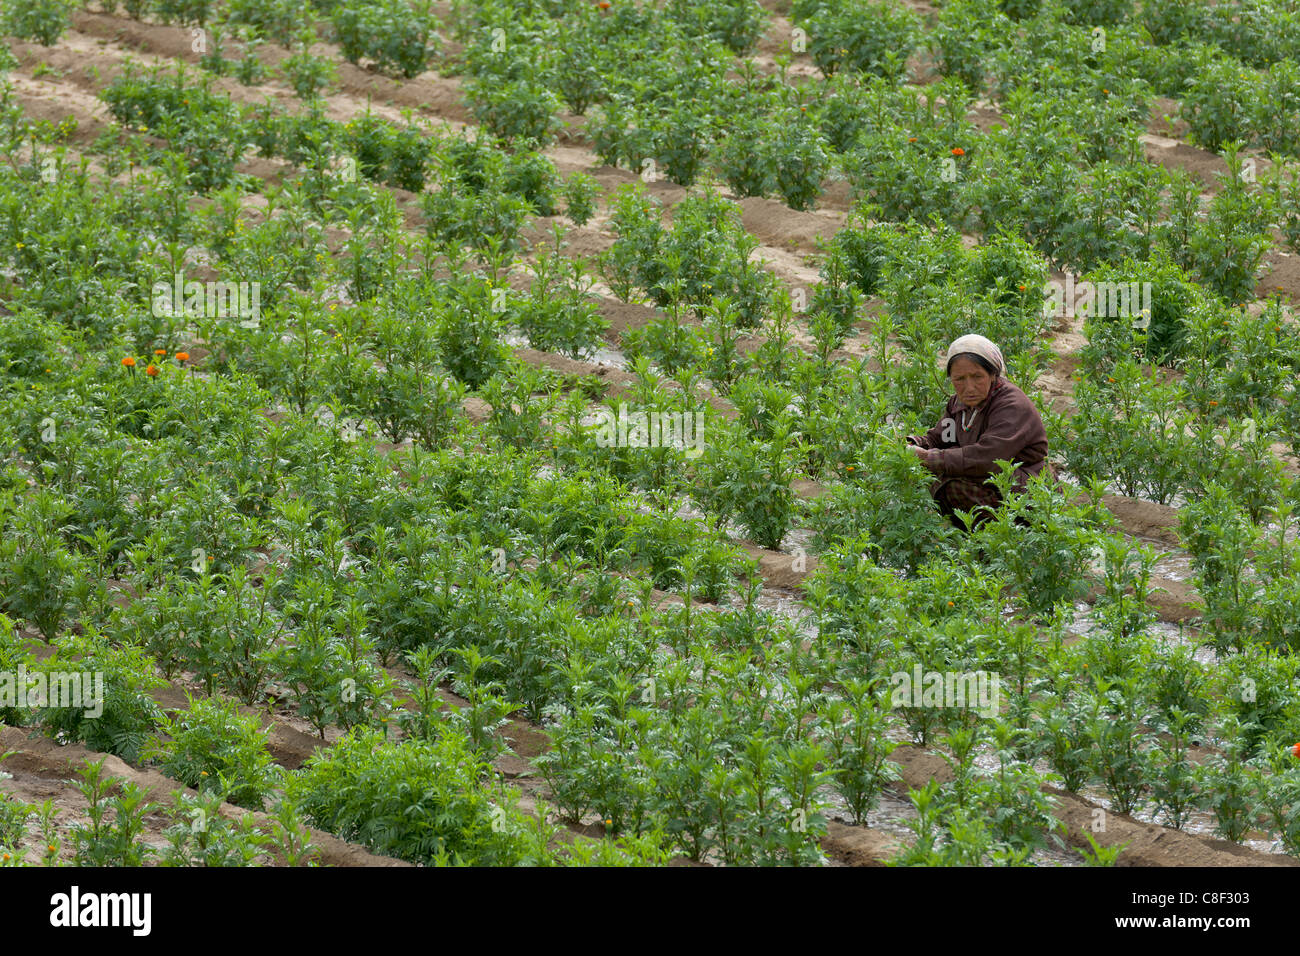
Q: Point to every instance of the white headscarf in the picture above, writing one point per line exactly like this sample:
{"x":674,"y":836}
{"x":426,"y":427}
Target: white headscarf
{"x":978,"y":345}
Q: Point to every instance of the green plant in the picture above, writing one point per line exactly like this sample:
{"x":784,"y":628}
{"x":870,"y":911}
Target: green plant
{"x":420,"y":800}
{"x":1258,"y":690}
{"x":278,"y":20}
{"x":737,"y":23}
{"x":116,"y":842}
{"x":647,"y":849}
{"x":306,"y":73}
{"x":862,"y":36}
{"x":1226,"y":788}
{"x":14,"y":815}
{"x":520,"y":111}
{"x":1098,"y":855}
{"x":118,"y":716}
{"x":329,"y":661}
{"x":1219,"y":536}
{"x":1278,"y":787}
{"x":1220,"y":101}
{"x":184,"y":11}
{"x":223,"y":627}
{"x":485,"y":711}
{"x":36,"y":567}
{"x":1284,"y":182}
{"x":424,"y":720}
{"x":213,"y":747}
{"x":1227,"y":248}
{"x":559,"y":315}
{"x":1173,"y":775}
{"x":1042,"y":543}
{"x":203,"y":128}
{"x":1157,"y":331}
{"x":1062,"y":725}
{"x":1119,"y":757}
{"x":853,"y":731}
{"x":945,"y":836}
{"x":396,"y":34}
{"x":40,"y":20}
{"x":964,"y":36}
{"x":291,"y":839}
{"x":248,"y":68}
{"x":1020,"y":815}
{"x":580,"y":192}
{"x":1134,"y":434}
{"x":203,"y":836}
{"x":749,"y":479}
{"x":791,"y":163}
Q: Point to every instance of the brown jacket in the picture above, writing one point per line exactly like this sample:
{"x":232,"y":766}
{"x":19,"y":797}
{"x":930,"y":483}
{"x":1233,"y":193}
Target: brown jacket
{"x":1007,"y":425}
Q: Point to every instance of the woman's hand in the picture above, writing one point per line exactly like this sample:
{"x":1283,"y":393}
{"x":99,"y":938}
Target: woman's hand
{"x":921,"y":453}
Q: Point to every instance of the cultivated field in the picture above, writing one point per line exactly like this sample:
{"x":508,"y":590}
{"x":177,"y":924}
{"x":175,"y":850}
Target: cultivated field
{"x":472,"y":433}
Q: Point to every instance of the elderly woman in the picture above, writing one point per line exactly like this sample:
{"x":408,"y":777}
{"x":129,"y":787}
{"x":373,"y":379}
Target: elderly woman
{"x":988,"y":419}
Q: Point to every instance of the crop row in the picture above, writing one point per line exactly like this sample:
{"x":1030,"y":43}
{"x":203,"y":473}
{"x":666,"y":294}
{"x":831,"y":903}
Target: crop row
{"x":140,"y":472}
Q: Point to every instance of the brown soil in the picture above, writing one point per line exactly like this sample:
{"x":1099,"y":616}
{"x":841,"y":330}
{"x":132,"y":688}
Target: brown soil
{"x":42,"y":770}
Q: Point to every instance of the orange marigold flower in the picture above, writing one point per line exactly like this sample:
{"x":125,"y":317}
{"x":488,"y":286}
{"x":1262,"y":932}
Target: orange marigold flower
{"x":182,"y":356}
{"x":129,"y":361}
{"x":958,"y":151}
{"x":604,"y":4}
{"x":159,"y":351}
{"x":911,"y":139}
{"x":1212,"y":404}
{"x":152,"y":370}
{"x":1021,"y":288}
{"x":1295,"y":751}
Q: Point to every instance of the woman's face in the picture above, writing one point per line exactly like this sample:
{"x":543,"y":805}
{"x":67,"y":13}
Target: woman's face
{"x":970,"y":382}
